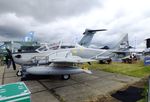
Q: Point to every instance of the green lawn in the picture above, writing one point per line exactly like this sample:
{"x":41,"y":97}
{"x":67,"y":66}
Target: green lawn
{"x":136,"y":69}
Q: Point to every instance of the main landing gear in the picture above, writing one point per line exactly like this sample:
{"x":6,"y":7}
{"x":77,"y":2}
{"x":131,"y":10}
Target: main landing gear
{"x":65,"y":77}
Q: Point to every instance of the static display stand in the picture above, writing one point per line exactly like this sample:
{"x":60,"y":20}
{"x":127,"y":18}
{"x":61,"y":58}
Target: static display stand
{"x":147,"y":60}
{"x":14,"y":92}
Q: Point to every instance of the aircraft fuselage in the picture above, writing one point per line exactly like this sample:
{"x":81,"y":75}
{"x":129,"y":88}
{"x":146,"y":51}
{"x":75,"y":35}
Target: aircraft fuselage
{"x":28,"y":58}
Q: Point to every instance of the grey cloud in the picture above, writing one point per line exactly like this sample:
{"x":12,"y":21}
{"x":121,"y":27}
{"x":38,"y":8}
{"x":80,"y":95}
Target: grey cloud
{"x":54,"y":20}
{"x":10,"y":32}
{"x":14,"y":22}
{"x":12,"y":27}
{"x":47,"y":10}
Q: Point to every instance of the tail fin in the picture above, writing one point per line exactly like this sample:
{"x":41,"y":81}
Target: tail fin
{"x":123,"y":44}
{"x":88,"y":35}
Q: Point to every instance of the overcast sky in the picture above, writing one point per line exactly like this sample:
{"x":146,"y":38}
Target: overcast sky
{"x":54,"y":20}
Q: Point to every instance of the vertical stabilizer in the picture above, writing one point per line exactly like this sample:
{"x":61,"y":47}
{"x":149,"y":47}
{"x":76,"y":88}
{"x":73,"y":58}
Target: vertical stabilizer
{"x":88,"y":36}
{"x":123,"y":43}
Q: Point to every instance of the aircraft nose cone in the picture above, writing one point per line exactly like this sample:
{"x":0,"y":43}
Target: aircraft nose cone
{"x":18,"y":56}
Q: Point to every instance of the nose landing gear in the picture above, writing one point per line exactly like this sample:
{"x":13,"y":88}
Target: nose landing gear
{"x":19,"y":73}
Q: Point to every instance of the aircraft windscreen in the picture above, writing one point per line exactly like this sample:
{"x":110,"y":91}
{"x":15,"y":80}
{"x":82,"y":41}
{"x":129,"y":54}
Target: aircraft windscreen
{"x":53,"y":47}
{"x":42,"y":48}
{"x":64,"y":47}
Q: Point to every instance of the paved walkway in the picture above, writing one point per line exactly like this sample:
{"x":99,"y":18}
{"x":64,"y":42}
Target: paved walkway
{"x":80,"y":88}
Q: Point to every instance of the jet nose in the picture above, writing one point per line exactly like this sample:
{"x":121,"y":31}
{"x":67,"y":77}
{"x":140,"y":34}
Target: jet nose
{"x":18,"y":56}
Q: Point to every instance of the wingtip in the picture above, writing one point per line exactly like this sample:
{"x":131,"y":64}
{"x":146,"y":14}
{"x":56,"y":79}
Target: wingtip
{"x":88,"y":71}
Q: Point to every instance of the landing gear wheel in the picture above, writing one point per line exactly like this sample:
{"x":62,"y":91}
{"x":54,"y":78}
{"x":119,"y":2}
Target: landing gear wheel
{"x":19,"y":73}
{"x":109,"y":61}
{"x":65,"y":77}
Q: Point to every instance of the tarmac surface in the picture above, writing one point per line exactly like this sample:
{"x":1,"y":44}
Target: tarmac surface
{"x":80,"y":88}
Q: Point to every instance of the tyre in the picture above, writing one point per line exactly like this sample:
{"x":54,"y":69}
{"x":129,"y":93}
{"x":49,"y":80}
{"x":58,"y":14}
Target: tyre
{"x":65,"y":77}
{"x":19,"y":73}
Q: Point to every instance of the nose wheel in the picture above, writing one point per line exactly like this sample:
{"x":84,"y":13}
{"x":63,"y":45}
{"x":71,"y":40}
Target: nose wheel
{"x":19,"y":73}
{"x":65,"y":77}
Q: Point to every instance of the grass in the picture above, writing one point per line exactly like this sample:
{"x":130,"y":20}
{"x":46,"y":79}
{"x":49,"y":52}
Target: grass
{"x":144,"y":94}
{"x":136,"y":69}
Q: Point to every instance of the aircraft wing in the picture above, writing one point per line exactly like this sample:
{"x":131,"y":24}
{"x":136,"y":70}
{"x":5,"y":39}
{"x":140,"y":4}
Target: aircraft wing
{"x":67,"y":57}
{"x":127,"y":51}
{"x":72,"y":59}
{"x":121,"y":51}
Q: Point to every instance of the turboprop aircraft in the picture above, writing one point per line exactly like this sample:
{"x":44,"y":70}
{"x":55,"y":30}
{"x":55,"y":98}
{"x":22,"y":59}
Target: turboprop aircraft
{"x":57,"y":63}
{"x":53,"y":62}
{"x":32,"y":63}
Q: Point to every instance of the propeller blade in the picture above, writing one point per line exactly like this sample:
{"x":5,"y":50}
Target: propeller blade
{"x":9,"y":52}
{"x":13,"y":63}
{"x":10,"y":59}
{"x":6,"y":60}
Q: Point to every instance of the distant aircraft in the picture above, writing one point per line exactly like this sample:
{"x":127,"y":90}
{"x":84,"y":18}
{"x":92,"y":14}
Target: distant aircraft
{"x":122,"y":49}
{"x":105,"y":53}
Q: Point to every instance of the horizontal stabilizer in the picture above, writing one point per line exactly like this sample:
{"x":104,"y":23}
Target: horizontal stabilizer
{"x":90,"y":31}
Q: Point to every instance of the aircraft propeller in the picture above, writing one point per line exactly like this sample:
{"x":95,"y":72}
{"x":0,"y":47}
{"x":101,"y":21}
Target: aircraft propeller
{"x":9,"y":59}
